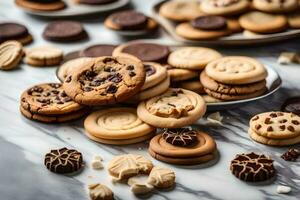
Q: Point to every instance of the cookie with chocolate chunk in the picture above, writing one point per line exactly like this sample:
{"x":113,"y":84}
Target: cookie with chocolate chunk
{"x":105,"y":80}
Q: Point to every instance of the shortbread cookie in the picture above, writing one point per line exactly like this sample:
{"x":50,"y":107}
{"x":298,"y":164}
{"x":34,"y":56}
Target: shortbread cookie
{"x":43,"y":56}
{"x":41,"y":6}
{"x":276,"y":125}
{"x":236,"y":70}
{"x":116,"y":123}
{"x":128,"y":165}
{"x":48,"y":99}
{"x":66,"y":68}
{"x":161,"y":177}
{"x":292,"y":105}
{"x":187,"y":31}
{"x":294,"y":20}
{"x":260,"y":22}
{"x":224,"y":7}
{"x":215,"y":86}
{"x":180,"y":10}
{"x":275,"y":6}
{"x":174,"y":108}
{"x":252,"y":167}
{"x":11,"y":53}
{"x":105,"y":80}
{"x":194,"y":58}
{"x":14,"y":31}
{"x":98,"y":191}
{"x":155,"y":73}
{"x":97,"y":50}
{"x":193,"y":85}
{"x":177,"y":74}
{"x":146,"y":52}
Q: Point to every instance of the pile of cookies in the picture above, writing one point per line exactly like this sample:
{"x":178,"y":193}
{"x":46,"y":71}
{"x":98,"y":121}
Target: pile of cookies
{"x":212,"y":19}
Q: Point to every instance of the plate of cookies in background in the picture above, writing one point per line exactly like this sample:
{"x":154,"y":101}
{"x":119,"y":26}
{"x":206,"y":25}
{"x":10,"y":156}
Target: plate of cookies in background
{"x":67,"y":8}
{"x":229,"y":22}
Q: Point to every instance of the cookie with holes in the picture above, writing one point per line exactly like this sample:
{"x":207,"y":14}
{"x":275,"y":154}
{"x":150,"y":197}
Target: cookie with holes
{"x":105,"y":80}
{"x":252,"y":167}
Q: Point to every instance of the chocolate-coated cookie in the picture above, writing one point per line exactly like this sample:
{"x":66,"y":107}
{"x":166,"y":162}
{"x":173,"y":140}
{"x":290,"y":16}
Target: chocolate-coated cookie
{"x":64,"y":31}
{"x":180,"y":136}
{"x":13,"y":31}
{"x":209,"y":22}
{"x":105,"y":80}
{"x":252,"y":167}
{"x":63,"y":161}
{"x":97,"y":50}
{"x":292,"y":105}
{"x":129,"y":20}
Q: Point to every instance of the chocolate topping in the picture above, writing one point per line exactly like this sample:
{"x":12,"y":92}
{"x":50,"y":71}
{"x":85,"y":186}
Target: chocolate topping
{"x":180,"y":136}
{"x":130,"y":20}
{"x":150,"y":70}
{"x":209,"y":23}
{"x":291,"y":155}
{"x":12,"y":31}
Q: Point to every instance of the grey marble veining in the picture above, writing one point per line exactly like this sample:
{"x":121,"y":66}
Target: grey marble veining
{"x":23,"y":143}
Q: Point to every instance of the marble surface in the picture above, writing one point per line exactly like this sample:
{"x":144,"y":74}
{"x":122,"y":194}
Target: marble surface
{"x":23,"y":143}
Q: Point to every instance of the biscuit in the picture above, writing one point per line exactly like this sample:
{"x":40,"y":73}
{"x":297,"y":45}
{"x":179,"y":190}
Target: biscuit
{"x":116,"y":124}
{"x":11,"y":53}
{"x":214,"y":86}
{"x":294,"y":20}
{"x":275,"y":6}
{"x":41,"y":6}
{"x":43,"y":56}
{"x":224,"y":7}
{"x":193,"y":58}
{"x":97,"y":50}
{"x":236,"y":70}
{"x":174,"y":108}
{"x":98,"y":191}
{"x":177,"y":74}
{"x":193,"y":85}
{"x":178,"y":10}
{"x":14,"y":31}
{"x":292,"y":105}
{"x":105,"y":80}
{"x":161,"y":177}
{"x":155,"y":73}
{"x":260,"y":22}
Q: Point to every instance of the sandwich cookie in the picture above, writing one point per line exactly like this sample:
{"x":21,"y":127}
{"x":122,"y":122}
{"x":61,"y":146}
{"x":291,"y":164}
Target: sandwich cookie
{"x":39,"y":5}
{"x":11,"y":53}
{"x":224,"y":7}
{"x":43,"y":56}
{"x":14,"y":31}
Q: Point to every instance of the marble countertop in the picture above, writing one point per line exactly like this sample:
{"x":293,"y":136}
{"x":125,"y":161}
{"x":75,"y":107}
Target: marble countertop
{"x":23,"y":143}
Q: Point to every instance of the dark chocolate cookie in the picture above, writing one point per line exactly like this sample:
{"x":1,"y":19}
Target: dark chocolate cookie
{"x":209,"y":23}
{"x":97,"y":50}
{"x":105,"y":80}
{"x":96,"y":2}
{"x":64,"y":31}
{"x":252,"y":167}
{"x":12,"y":31}
{"x":180,"y":136}
{"x":63,"y":161}
{"x":292,"y":105}
{"x":291,"y":155}
{"x":129,"y":20}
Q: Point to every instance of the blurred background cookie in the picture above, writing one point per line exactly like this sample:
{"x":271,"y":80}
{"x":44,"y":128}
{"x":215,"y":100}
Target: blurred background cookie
{"x":14,"y":31}
{"x":41,"y":5}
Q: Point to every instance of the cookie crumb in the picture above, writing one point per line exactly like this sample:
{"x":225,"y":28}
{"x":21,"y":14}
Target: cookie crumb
{"x":286,"y":58}
{"x":282,"y":189}
{"x":215,"y":118}
{"x":96,"y":162}
{"x":291,"y":155}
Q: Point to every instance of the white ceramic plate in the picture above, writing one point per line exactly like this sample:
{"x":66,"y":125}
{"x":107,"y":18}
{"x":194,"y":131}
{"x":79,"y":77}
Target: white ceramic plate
{"x":74,"y":9}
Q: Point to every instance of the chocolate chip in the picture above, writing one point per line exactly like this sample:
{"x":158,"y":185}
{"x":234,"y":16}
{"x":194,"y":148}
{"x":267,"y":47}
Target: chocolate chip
{"x":132,"y":74}
{"x":268,"y":121}
{"x":283,"y":121}
{"x":36,"y":89}
{"x":273,"y":115}
{"x":47,"y":94}
{"x":149,"y":69}
{"x":63,"y":94}
{"x":295,"y":122}
{"x":60,"y":102}
{"x":280,"y":114}
{"x":55,"y":91}
{"x":116,"y":78}
{"x":258,"y":126}
{"x":130,"y":67}
{"x":55,"y":85}
{"x":109,"y":59}
{"x":97,"y":82}
{"x":109,"y":69}
{"x":282,"y":127}
{"x":111,"y":89}
{"x":255,"y":118}
{"x":44,"y":102}
{"x":69,"y":79}
{"x":89,"y":75}
{"x":270,"y":128}
{"x":291,"y":128}
{"x":87,"y":89}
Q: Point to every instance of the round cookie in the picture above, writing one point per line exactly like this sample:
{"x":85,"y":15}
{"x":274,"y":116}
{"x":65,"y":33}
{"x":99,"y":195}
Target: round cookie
{"x":97,"y":50}
{"x":105,"y":80}
{"x":224,"y":7}
{"x":14,"y":31}
{"x":40,"y":6}
{"x":213,"y":85}
{"x":276,"y":125}
{"x":178,"y":75}
{"x":292,"y":105}
{"x":161,"y":177}
{"x":95,"y":2}
{"x":174,"y":108}
{"x":194,"y":58}
{"x":66,"y":68}
{"x":177,"y":10}
{"x":155,"y":73}
{"x":48,"y":99}
{"x":11,"y":53}
{"x":260,"y":22}
{"x":275,"y":6}
{"x":209,"y":23}
{"x":209,"y":99}
{"x":43,"y":56}
{"x":64,"y":31}
{"x":116,"y":123}
{"x":70,"y":56}
{"x":294,"y":20}
{"x":193,"y":85}
{"x":146,"y":52}
{"x":98,"y":191}
{"x":236,"y":70}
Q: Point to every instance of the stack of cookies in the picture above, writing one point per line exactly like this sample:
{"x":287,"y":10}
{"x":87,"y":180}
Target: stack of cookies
{"x":234,"y":78}
{"x":275,"y":128}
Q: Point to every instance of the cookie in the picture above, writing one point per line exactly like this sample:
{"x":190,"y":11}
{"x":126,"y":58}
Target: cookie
{"x":209,"y":23}
{"x":177,"y":74}
{"x":193,"y":85}
{"x":66,"y":68}
{"x":139,"y":186}
{"x":292,"y":105}
{"x":146,"y":52}
{"x":174,"y":108}
{"x":275,"y":6}
{"x":224,"y":7}
{"x":193,"y":58}
{"x":63,"y":161}
{"x":14,"y":31}
{"x":209,"y":99}
{"x":233,"y":25}
{"x":236,"y":70}
{"x":105,"y":80}
{"x":95,"y":2}
{"x":70,"y":56}
{"x":260,"y":22}
{"x":276,"y":125}
{"x":214,"y":86}
{"x":177,"y":10}
{"x":252,"y":167}
{"x":128,"y":165}
{"x":116,"y":123}
{"x":11,"y":53}
{"x":43,"y":56}
{"x":294,"y":20}
{"x":291,"y":155}
{"x":97,"y":50}
{"x":161,"y":177}
{"x":41,"y":6}
{"x":64,"y":31}
{"x":48,"y":99}
{"x":155,"y":73}
{"x":98,"y":191}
